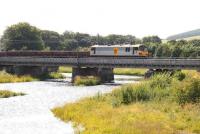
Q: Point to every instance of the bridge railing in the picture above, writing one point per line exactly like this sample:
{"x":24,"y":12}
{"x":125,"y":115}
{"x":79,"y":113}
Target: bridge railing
{"x":140,"y":62}
{"x":103,"y":62}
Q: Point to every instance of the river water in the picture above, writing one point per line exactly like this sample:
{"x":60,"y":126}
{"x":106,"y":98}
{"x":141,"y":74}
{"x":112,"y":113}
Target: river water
{"x":30,"y":114}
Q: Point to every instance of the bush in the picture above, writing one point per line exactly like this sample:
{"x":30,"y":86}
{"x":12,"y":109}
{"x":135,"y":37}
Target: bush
{"x":86,"y":80}
{"x":158,"y":87}
{"x":160,"y":81}
{"x":130,"y":93}
{"x":179,"y":75}
{"x":188,"y":91}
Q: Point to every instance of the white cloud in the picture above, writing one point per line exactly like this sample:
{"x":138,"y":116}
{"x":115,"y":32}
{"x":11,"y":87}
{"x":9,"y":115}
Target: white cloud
{"x":137,"y":17}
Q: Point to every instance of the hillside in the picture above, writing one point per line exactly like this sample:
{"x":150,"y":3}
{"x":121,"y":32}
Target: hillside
{"x":190,"y":34}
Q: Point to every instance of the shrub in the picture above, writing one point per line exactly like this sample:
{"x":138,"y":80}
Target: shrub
{"x":160,"y":81}
{"x":156,"y":88}
{"x":179,"y":75}
{"x":188,"y":91}
{"x":159,"y":86}
{"x":130,"y":93}
{"x":86,"y":80}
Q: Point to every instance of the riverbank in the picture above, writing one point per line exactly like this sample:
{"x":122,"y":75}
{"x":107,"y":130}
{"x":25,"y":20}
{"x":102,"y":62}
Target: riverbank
{"x":32,"y":114}
{"x":162,"y":104}
{"x":11,"y":78}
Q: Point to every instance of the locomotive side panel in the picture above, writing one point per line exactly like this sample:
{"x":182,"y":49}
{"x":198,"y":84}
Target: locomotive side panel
{"x":111,"y":51}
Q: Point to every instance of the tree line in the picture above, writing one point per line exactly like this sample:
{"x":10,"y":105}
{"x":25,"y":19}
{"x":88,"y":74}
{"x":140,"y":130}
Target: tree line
{"x":23,"y":36}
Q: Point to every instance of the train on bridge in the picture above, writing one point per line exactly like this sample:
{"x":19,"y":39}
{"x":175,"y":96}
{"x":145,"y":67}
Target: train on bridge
{"x":128,"y":50}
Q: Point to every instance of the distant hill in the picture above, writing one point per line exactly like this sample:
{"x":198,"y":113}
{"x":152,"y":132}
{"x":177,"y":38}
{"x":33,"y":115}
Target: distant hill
{"x":194,"y":34}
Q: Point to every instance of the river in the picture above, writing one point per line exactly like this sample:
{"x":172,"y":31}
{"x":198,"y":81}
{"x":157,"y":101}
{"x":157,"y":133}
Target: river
{"x":30,"y":114}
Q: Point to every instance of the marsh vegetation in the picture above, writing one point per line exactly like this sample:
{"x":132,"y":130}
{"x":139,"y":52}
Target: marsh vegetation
{"x":164,"y":103}
{"x":9,"y":78}
{"x":86,"y":81}
{"x":7,"y":93}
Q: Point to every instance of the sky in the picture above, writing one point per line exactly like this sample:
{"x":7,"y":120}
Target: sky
{"x":136,"y":17}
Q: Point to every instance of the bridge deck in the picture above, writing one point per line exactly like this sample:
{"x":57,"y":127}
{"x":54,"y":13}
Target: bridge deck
{"x":165,"y":63}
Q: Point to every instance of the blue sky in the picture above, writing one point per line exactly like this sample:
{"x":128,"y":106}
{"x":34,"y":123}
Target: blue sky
{"x":136,"y":17}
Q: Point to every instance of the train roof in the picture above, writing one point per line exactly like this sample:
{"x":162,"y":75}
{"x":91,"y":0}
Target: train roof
{"x":118,"y":45}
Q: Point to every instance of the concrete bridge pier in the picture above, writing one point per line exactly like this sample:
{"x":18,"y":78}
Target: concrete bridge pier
{"x":105,"y":74}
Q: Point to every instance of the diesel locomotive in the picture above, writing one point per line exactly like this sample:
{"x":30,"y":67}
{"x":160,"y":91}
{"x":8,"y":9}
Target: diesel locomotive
{"x":128,"y":50}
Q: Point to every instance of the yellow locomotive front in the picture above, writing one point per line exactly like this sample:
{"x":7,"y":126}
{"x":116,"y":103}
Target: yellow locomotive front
{"x":143,"y":51}
{"x":140,"y":50}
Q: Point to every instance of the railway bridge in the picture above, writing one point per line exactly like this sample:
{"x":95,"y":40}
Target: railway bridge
{"x":98,"y":66}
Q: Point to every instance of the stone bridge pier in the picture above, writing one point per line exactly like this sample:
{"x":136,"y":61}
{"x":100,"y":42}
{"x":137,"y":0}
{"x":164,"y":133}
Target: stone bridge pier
{"x":105,"y":74}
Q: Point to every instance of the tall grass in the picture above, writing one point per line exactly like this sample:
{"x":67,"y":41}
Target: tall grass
{"x":6,"y":94}
{"x":63,"y":69}
{"x":8,"y":78}
{"x":163,"y":104}
{"x":130,"y":71}
{"x":5,"y":78}
{"x":98,"y":116}
{"x":161,"y":87}
{"x":86,"y":80}
{"x":52,"y":75}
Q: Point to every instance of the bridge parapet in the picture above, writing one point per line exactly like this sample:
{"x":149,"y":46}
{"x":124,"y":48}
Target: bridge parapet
{"x":146,"y":63}
{"x":104,"y":62}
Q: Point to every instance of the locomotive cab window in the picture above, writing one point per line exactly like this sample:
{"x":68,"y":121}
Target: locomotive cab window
{"x":93,"y":50}
{"x":142,"y":48}
{"x":127,"y":49}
